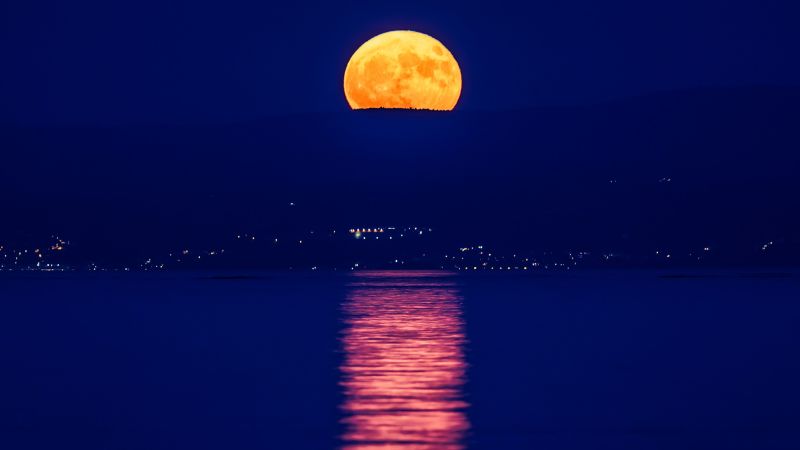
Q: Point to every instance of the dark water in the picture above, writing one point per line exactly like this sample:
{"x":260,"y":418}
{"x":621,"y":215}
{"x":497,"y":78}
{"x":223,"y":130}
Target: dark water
{"x":405,"y":361}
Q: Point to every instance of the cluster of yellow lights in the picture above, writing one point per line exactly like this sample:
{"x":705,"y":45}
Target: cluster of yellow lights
{"x":366,"y":230}
{"x":402,"y":69}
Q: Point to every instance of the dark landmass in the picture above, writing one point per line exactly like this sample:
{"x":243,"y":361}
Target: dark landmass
{"x":677,"y":171}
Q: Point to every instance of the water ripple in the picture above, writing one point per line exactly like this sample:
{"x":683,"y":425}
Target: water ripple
{"x":404,"y":369}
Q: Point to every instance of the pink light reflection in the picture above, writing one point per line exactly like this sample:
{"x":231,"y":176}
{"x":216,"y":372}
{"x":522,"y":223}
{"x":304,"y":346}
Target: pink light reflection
{"x":404,"y":368}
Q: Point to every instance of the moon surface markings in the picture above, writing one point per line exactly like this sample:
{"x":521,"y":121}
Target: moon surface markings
{"x":402,"y":69}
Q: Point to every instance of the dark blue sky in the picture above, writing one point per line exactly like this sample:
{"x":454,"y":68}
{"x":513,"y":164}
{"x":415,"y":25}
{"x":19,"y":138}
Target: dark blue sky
{"x":199,"y":61}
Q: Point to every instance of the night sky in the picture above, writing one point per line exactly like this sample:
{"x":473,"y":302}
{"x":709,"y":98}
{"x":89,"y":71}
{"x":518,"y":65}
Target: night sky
{"x":163,"y":121}
{"x":94,"y":62}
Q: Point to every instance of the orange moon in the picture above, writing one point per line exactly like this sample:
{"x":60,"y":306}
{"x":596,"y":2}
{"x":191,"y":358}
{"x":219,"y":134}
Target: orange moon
{"x":402,"y":69}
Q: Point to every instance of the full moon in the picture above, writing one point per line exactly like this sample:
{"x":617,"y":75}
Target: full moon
{"x":402,"y":69}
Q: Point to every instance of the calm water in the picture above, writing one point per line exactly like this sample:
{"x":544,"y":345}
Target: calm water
{"x":400,"y":360}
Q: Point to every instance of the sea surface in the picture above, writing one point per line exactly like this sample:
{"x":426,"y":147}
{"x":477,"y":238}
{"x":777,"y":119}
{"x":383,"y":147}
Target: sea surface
{"x":400,"y":360}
